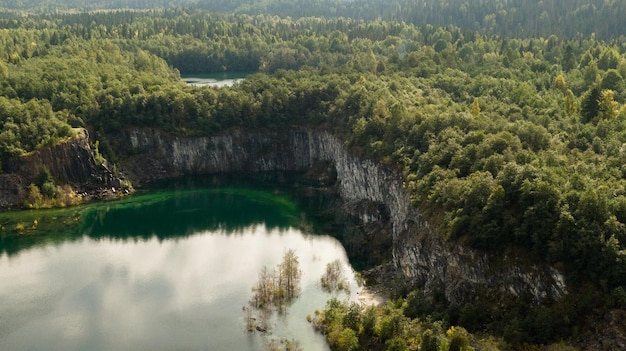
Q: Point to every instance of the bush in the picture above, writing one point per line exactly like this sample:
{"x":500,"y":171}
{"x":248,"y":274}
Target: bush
{"x":35,"y":199}
{"x":459,"y":339}
{"x":396,"y":344}
{"x":343,"y":339}
{"x":390,"y":325}
{"x":50,"y":190}
{"x":430,"y":341}
{"x":369,"y":321}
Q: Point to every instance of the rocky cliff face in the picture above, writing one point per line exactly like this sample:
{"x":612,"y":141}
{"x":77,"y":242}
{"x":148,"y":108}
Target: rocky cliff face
{"x":71,"y":162}
{"x":419,"y":253}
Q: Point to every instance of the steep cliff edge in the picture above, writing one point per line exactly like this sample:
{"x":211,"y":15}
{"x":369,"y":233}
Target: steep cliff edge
{"x":420,"y":255}
{"x":72,"y":162}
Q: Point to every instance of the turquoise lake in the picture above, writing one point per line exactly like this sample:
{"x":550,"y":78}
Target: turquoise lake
{"x":165,"y":270}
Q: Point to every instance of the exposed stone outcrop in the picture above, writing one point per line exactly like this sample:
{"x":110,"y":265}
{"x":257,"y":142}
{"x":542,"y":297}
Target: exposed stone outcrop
{"x":419,"y":253}
{"x":371,"y":191}
{"x":72,"y":162}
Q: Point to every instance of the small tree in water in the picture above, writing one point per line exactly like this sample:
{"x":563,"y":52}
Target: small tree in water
{"x":289,"y":275}
{"x":264,"y":290}
{"x":334,"y":279}
{"x":275,"y":289}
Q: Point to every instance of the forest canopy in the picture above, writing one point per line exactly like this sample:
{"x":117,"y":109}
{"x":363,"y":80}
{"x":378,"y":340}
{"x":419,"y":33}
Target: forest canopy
{"x":564,"y":18}
{"x":514,"y":143}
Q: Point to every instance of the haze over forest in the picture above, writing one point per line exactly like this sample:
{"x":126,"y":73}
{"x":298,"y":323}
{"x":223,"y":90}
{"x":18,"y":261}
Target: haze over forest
{"x":501,"y":17}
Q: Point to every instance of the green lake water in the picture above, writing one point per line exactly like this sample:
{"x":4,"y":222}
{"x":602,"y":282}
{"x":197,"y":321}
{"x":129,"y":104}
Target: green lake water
{"x":166,"y":270}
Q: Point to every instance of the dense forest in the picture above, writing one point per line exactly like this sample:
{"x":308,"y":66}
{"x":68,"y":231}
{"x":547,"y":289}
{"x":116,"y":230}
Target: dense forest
{"x":564,"y":18}
{"x":513,"y":143}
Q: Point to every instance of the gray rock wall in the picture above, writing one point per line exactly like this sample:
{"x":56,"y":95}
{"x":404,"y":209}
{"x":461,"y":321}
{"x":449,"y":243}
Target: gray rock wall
{"x":70,"y":162}
{"x":419,"y":254}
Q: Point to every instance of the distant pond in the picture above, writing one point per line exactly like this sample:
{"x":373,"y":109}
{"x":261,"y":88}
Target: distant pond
{"x":214,"y":79}
{"x":165,"y":270}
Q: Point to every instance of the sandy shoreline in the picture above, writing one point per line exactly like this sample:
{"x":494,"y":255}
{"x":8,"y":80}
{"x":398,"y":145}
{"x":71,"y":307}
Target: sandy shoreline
{"x":372,"y":296}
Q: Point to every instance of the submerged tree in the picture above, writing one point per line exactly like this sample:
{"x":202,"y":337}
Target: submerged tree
{"x":279,"y":286}
{"x":289,"y":275}
{"x":274,"y":290}
{"x":264,"y":290}
{"x":334,"y":279}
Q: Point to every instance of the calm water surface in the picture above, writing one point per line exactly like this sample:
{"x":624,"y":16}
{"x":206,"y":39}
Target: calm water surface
{"x":164,"y":271}
{"x":214,"y":79}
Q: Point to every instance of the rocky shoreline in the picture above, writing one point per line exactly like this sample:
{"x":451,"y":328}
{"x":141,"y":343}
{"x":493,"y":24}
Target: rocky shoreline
{"x":74,"y":162}
{"x":372,"y":193}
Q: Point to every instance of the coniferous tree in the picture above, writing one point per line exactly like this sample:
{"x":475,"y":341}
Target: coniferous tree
{"x":590,"y":105}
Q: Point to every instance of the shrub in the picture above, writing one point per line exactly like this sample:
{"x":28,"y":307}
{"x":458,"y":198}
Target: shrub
{"x":35,"y":199}
{"x":459,"y":339}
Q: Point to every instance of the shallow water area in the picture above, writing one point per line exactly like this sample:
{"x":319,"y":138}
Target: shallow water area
{"x":163,"y":271}
{"x":214,"y":79}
